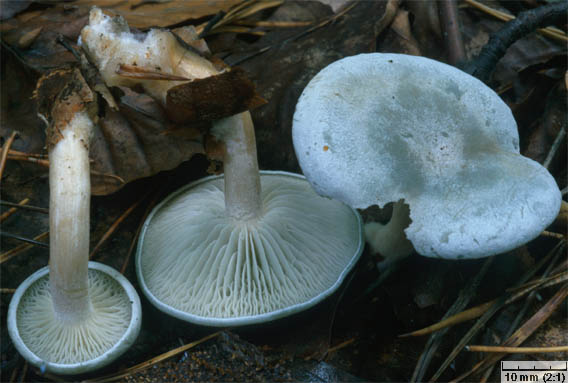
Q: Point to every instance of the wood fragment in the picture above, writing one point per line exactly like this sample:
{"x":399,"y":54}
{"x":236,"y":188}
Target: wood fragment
{"x":554,"y":148}
{"x":553,"y":235}
{"x":23,"y":239}
{"x":526,"y":22}
{"x":477,"y":311}
{"x":516,"y":350}
{"x":25,"y":207}
{"x":138,"y":230}
{"x":449,"y":20}
{"x":6,"y":256}
{"x":115,"y":226}
{"x":4,"y":153}
{"x":12,"y":210}
{"x":273,"y":24}
{"x":136,"y":72}
{"x":340,"y":345}
{"x":481,"y":322}
{"x":519,"y":336}
{"x":435,"y":339}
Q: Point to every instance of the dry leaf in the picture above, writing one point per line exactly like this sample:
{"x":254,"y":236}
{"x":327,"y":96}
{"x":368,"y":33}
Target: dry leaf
{"x":212,"y":98}
{"x":143,"y":14}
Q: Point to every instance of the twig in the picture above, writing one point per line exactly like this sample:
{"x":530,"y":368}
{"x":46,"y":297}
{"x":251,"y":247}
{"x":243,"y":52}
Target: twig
{"x":25,"y":207}
{"x":449,"y":22}
{"x":295,"y":37}
{"x":12,"y":210}
{"x":14,"y":374}
{"x":19,"y":249}
{"x":5,"y":290}
{"x":241,"y":11}
{"x":516,"y":350}
{"x":22,"y":377}
{"x":23,"y":239}
{"x":63,"y":41}
{"x":144,"y":365}
{"x":39,"y":161}
{"x":436,"y":339}
{"x":35,"y":158}
{"x":115,"y":225}
{"x":552,"y":235}
{"x":554,"y":148}
{"x":340,"y":346}
{"x":477,"y":311}
{"x":526,"y":22}
{"x":346,"y":285}
{"x":4,"y":153}
{"x":18,"y":153}
{"x":138,"y":230}
{"x":526,"y":304}
{"x":523,"y":332}
{"x":214,"y":20}
{"x":553,"y":33}
{"x":273,"y":24}
{"x":499,"y":303}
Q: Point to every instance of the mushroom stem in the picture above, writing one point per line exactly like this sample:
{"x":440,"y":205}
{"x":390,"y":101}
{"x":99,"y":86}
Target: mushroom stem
{"x":70,"y":194}
{"x":242,"y":178}
{"x":390,"y":240}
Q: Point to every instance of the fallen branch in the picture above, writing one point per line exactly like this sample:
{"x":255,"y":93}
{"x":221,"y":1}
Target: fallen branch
{"x":526,"y":22}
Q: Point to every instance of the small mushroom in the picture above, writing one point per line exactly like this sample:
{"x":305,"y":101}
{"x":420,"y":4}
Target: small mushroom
{"x":378,"y":128}
{"x":242,"y":248}
{"x":73,"y":316}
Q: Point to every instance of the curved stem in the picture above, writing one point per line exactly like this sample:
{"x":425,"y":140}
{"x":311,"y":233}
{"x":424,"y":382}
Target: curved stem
{"x":242,"y":178}
{"x":70,"y":195}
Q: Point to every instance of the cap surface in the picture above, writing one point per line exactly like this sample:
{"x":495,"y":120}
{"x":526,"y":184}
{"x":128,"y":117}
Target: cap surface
{"x":376,"y":128}
{"x":47,"y":342}
{"x":199,"y":265}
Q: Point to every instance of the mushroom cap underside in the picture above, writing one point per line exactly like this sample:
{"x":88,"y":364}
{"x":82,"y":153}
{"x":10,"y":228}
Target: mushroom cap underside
{"x":53,"y":344}
{"x":377,"y":128}
{"x":199,"y":265}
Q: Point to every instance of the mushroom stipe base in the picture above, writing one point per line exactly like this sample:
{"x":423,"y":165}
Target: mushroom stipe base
{"x":125,"y":341}
{"x":210,"y":273}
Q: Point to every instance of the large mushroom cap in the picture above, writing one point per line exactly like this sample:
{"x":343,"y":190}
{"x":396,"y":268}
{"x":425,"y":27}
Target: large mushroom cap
{"x":48,"y":341}
{"x":198,"y":264}
{"x":377,"y":128}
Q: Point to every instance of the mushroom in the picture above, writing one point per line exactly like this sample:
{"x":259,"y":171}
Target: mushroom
{"x":242,"y":248}
{"x":73,"y":316}
{"x":378,"y":128}
{"x":132,"y":59}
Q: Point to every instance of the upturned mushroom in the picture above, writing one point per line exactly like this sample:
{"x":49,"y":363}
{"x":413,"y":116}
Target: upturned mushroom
{"x":378,"y":128}
{"x":73,"y":316}
{"x":237,"y":249}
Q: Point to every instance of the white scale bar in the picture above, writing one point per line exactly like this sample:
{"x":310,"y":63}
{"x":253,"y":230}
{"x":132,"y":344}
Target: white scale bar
{"x":534,"y":371}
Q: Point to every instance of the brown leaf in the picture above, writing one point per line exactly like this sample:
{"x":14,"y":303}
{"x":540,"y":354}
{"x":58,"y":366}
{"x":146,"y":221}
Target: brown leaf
{"x":136,"y":142}
{"x":143,"y":14}
{"x":212,"y":98}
